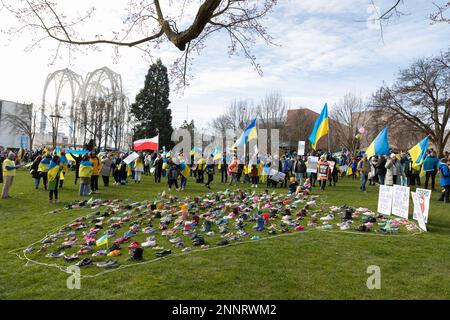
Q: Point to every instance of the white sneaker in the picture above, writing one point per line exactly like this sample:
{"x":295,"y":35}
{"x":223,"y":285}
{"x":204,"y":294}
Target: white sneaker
{"x":328,"y":217}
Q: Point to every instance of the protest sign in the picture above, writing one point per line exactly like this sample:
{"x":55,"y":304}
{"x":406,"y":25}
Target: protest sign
{"x":385,"y":200}
{"x":301,"y":148}
{"x":419,"y":209}
{"x":400,"y":201}
{"x":131,"y":158}
{"x":424,"y":197}
{"x":312,"y":164}
{"x":276,"y":175}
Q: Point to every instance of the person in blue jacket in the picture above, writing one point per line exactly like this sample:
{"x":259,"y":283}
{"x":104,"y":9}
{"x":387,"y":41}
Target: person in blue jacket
{"x":430,"y":166}
{"x":444,"y":172}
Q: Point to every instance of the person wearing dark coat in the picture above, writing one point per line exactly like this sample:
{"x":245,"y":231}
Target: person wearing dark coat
{"x":158,"y":168}
{"x":34,"y":170}
{"x":77,"y":164}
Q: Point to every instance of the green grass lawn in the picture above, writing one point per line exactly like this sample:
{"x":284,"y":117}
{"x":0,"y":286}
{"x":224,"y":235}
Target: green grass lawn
{"x":305,"y":265}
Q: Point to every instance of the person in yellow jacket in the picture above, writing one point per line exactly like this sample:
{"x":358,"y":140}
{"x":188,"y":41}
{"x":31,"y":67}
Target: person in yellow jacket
{"x":96,"y":166}
{"x":9,"y":171}
{"x":200,"y":168}
{"x":85,"y":174}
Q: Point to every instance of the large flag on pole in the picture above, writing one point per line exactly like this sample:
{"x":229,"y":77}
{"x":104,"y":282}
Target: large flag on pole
{"x":380,"y":145}
{"x":146,"y":144}
{"x":249,"y":134}
{"x":418,"y":153}
{"x":320,"y":127}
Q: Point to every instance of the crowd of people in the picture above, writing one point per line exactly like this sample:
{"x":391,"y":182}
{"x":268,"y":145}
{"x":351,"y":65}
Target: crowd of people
{"x":288,"y":171}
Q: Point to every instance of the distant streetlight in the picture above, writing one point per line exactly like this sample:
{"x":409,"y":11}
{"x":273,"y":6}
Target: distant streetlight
{"x":55,"y":123}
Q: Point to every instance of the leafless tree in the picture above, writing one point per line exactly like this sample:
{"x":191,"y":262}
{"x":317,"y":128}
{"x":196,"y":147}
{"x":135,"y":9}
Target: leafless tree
{"x":24,"y":122}
{"x":150,"y":23}
{"x":441,"y":14}
{"x":349,"y":115}
{"x":421,"y":97}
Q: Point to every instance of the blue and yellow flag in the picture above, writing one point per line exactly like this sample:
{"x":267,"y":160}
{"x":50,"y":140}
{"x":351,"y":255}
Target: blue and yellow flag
{"x":380,"y":145}
{"x":185,"y":170}
{"x":249,"y":134}
{"x":418,"y":153}
{"x":320,"y":127}
{"x":53,"y":171}
{"x":102,"y":241}
{"x":20,"y":154}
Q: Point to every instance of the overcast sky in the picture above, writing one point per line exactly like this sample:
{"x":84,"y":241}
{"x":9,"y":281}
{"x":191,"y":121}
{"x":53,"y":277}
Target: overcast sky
{"x":324,"y":51}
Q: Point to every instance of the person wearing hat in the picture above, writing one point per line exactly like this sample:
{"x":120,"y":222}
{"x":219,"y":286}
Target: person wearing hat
{"x":9,"y":171}
{"x":444,"y":173}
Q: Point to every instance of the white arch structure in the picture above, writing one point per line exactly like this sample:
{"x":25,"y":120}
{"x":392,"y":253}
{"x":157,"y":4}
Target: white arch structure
{"x":98,"y":107}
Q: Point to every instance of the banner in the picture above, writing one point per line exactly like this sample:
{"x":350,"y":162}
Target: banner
{"x":312,"y":164}
{"x":424,"y":197}
{"x":385,"y":200}
{"x":301,"y":148}
{"x":276,"y":175}
{"x":419,"y":209}
{"x":400,"y":201}
{"x":131,"y":158}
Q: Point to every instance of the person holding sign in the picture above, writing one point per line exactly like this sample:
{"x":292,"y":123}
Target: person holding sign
{"x":444,"y":172}
{"x":323,"y":171}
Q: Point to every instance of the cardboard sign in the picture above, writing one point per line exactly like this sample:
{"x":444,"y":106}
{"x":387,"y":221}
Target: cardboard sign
{"x":276,"y":175}
{"x":301,"y":148}
{"x":424,"y":197}
{"x":385,"y":200}
{"x":418,"y":210}
{"x":331,"y":164}
{"x":312,"y":164}
{"x":131,"y":158}
{"x":400,"y":201}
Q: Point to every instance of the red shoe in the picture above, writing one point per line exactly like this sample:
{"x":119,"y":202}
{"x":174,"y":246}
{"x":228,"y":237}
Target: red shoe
{"x":134,"y":245}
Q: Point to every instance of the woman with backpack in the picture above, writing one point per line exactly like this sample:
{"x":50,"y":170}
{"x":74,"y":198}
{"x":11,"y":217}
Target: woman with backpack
{"x":172,"y":174}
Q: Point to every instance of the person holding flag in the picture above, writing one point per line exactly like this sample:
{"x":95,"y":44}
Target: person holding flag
{"x":53,"y":174}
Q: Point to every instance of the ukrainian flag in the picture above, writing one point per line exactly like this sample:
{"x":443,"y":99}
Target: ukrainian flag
{"x":53,"y":171}
{"x":249,"y":134}
{"x":185,"y":170}
{"x":217,"y":154}
{"x":418,"y":153}
{"x":102,"y":241}
{"x":320,"y":127}
{"x":380,"y":145}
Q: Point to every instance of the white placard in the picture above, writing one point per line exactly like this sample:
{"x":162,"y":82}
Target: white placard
{"x":312,"y":164}
{"x":418,"y":210}
{"x":276,"y":175}
{"x":301,"y":148}
{"x":424,"y":197}
{"x":400,"y":201}
{"x":131,"y":158}
{"x":385,"y":200}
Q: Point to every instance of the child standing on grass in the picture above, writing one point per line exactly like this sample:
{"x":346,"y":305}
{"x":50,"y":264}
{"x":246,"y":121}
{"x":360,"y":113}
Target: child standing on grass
{"x":85,"y":173}
{"x":53,"y":175}
{"x":138,"y":169}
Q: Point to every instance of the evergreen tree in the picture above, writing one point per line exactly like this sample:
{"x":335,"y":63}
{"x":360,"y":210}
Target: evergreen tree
{"x":151,"y":109}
